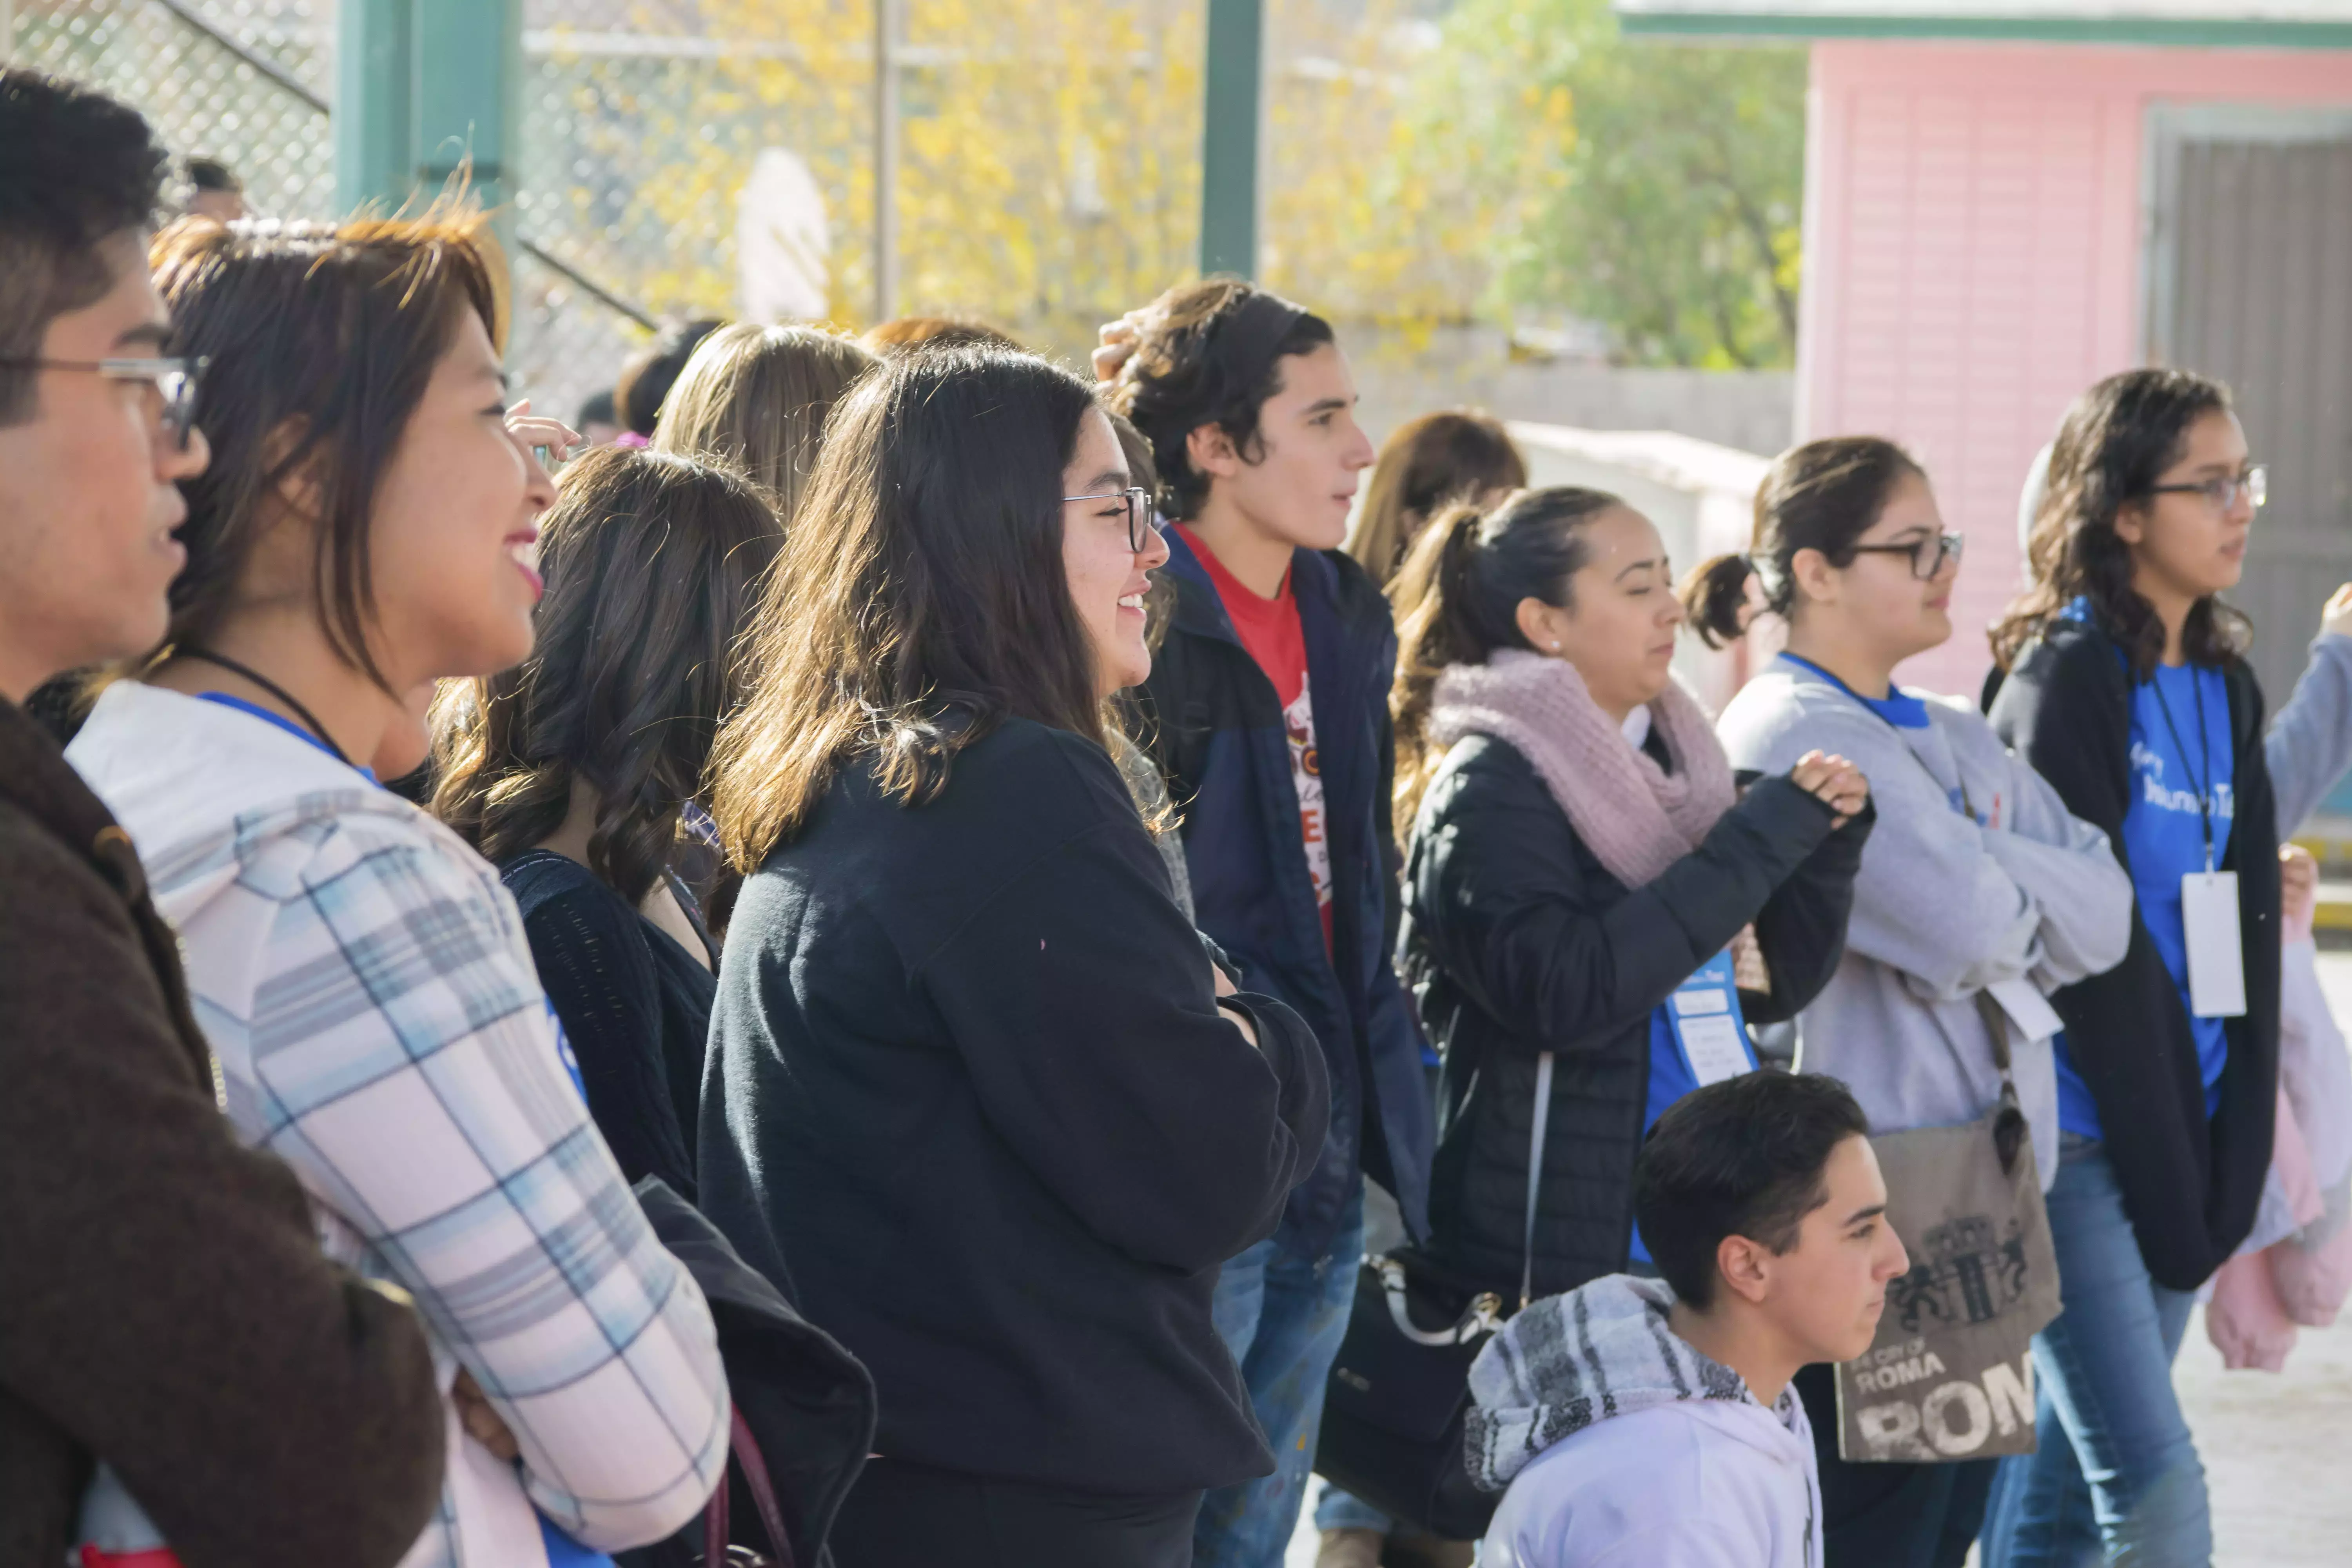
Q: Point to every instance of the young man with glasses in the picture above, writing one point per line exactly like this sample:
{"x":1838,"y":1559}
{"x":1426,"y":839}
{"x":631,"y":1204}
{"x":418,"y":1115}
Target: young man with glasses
{"x":167,"y":1310}
{"x":1267,"y":709}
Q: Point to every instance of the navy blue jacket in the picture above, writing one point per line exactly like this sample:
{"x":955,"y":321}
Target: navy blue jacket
{"x":1213,"y":724}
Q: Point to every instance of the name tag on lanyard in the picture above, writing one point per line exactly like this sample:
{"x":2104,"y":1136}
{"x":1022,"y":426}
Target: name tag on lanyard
{"x":1704,"y":1016}
{"x":2217,"y":958}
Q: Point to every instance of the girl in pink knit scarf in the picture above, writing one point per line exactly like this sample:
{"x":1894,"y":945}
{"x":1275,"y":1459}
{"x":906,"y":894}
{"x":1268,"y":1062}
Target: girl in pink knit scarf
{"x":1593,"y":906}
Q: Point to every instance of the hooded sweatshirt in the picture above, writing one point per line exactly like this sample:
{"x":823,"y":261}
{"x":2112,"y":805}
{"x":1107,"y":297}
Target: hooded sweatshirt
{"x":366,"y":986}
{"x":1977,"y":879}
{"x":1623,"y":1447}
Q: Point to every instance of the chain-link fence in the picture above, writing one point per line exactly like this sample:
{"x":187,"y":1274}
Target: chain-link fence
{"x":250,"y":82}
{"x":718,"y":157}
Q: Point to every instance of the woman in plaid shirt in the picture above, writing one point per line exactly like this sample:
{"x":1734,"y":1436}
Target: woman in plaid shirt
{"x":361,"y":974}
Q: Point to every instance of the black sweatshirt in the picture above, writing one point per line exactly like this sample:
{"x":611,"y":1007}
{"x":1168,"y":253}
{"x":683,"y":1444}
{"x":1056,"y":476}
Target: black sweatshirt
{"x":971,"y":1099}
{"x":2190,"y":1185}
{"x":635,"y":1006}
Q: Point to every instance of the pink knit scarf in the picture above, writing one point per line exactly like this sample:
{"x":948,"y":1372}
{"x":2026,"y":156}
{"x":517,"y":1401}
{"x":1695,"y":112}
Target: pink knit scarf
{"x":1635,"y":817}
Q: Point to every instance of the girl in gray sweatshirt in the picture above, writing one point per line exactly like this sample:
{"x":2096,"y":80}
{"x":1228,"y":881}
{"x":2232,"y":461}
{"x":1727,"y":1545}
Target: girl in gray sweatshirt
{"x":1976,"y":879}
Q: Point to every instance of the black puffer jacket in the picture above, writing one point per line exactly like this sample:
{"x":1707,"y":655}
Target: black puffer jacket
{"x":1519,"y":942}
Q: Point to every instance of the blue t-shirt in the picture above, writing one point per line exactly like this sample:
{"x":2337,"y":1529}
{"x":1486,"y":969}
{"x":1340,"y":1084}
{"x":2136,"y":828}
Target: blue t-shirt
{"x":1670,"y":1078}
{"x":2164,"y":838}
{"x":1898,"y":706}
{"x":291,"y":727}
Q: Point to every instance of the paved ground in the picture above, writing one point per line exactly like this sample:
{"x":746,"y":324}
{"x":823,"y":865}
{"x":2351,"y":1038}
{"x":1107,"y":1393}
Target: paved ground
{"x":2274,"y":1444}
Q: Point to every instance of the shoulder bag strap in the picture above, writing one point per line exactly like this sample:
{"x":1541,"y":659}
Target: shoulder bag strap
{"x":1535,"y":1171}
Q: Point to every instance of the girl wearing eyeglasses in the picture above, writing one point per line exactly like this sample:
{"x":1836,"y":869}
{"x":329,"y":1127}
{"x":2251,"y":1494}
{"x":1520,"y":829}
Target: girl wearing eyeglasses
{"x":2129,"y":690}
{"x":1977,"y":880}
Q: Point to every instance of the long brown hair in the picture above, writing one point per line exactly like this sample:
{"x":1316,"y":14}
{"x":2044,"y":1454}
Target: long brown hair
{"x":1451,"y":456}
{"x":758,"y":397}
{"x":921,"y":598}
{"x":2112,"y":445}
{"x":1458,"y":600}
{"x":321,"y":337}
{"x":1824,"y":495}
{"x":652,"y":563}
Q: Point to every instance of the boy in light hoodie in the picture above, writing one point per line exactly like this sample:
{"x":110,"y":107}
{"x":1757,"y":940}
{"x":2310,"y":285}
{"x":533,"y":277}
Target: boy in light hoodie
{"x":1651,"y":1422}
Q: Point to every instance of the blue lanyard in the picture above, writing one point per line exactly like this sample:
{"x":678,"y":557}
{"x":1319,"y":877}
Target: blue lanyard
{"x":2204,"y":753}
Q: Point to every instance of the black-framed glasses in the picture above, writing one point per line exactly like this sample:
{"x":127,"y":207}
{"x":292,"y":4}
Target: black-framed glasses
{"x":1928,"y":555}
{"x":175,"y":380}
{"x":2254,"y":485}
{"x":1141,"y":520}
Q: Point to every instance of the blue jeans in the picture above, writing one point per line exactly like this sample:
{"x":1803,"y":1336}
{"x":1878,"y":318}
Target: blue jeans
{"x":1335,"y":1509}
{"x":2117,"y":1479}
{"x":1284,"y":1317}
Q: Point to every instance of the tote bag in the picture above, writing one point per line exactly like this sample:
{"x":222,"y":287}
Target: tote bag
{"x":1950,"y":1375}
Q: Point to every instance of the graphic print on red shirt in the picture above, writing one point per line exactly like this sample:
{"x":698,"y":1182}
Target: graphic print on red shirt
{"x":1270,"y":630}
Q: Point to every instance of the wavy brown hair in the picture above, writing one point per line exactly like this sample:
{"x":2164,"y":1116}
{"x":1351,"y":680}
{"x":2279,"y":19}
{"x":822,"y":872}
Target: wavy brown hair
{"x":2113,"y":446}
{"x":758,"y":397}
{"x":1447,"y":457}
{"x":921,"y":599}
{"x":321,"y":337}
{"x":1458,"y":600}
{"x":653,"y":563}
{"x":1209,"y":352}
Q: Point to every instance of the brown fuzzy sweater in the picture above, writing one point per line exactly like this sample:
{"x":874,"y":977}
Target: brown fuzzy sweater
{"x":164,"y":1304}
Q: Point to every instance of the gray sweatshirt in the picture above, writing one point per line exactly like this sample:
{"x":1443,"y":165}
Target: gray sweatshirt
{"x":2310,"y":742}
{"x":2016,"y":896}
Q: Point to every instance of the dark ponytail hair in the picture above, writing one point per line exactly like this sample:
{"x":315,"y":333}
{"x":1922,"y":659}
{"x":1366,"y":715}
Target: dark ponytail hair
{"x":2113,"y":446}
{"x":1458,"y":600}
{"x":1825,"y":495}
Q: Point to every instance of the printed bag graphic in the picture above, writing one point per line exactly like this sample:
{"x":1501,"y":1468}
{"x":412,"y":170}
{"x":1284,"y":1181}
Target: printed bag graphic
{"x":1950,"y":1375}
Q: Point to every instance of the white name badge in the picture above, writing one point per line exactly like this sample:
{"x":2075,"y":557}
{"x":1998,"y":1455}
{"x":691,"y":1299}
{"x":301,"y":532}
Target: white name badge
{"x":2217,"y":958}
{"x":1705,"y":1013}
{"x":2028,"y":1009}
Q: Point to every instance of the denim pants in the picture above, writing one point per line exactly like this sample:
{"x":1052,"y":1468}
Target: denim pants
{"x":1284,"y":1317}
{"x":2117,"y":1479}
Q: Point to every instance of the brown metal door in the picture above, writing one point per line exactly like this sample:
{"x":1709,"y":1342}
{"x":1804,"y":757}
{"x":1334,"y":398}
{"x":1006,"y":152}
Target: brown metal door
{"x":2251,"y":272}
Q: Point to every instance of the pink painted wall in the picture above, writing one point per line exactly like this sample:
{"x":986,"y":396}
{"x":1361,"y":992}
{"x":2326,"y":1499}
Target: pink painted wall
{"x":1972,"y":259}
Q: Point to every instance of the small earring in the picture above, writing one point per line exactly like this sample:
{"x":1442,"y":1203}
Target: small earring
{"x":1555,"y":648}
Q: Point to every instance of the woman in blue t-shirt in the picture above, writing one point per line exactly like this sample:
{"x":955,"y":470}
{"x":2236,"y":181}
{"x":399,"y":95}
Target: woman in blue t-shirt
{"x":2128,"y":690}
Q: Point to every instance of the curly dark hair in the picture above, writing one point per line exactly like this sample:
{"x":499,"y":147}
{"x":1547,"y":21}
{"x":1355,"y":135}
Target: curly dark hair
{"x":76,"y":169}
{"x":2113,"y":444}
{"x":1209,"y":353}
{"x":654,"y":563}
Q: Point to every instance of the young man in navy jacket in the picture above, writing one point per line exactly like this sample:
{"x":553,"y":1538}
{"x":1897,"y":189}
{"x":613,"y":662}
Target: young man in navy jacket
{"x":1267,"y":709}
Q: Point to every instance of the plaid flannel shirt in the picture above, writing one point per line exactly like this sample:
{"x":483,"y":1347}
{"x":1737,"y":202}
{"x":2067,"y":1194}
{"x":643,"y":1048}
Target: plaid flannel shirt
{"x":365,"y":982}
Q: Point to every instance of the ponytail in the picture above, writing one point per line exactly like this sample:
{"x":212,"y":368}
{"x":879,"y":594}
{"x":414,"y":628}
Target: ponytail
{"x":1458,"y":600}
{"x":1825,"y":495}
{"x":1714,"y":599}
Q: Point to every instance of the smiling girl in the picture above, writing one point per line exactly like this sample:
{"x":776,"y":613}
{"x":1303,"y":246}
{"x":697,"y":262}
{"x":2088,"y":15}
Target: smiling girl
{"x":973,"y":1082}
{"x":1585,"y":887}
{"x":1976,"y":879}
{"x":359,"y":973}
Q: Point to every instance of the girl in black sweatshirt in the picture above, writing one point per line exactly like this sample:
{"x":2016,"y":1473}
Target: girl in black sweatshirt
{"x":975,"y":1089}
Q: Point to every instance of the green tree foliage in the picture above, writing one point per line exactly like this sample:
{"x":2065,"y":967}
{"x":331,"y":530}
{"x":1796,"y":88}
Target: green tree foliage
{"x":1670,"y":215}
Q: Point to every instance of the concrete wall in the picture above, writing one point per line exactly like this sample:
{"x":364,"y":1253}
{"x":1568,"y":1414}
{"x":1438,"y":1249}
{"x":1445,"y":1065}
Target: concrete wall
{"x":1472,"y":367}
{"x":1973,"y":244}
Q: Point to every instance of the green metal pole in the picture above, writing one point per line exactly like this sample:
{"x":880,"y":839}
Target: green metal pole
{"x":1234,"y":114}
{"x":469,"y":82}
{"x":374,"y":89}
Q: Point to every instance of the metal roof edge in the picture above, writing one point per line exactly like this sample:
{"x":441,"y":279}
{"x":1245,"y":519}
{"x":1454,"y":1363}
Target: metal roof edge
{"x":2252,"y":33}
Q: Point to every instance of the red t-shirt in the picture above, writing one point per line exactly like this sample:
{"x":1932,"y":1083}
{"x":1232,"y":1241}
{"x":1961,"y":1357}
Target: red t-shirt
{"x":1270,"y":630}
